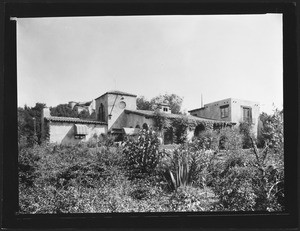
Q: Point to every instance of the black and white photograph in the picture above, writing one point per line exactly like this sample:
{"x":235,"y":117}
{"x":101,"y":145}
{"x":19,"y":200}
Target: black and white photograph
{"x":150,"y":113}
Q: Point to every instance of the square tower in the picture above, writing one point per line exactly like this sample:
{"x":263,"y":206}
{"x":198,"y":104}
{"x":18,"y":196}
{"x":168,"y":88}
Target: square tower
{"x":111,"y":105}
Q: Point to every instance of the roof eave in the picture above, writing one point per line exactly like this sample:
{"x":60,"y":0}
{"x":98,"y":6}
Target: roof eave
{"x":73,"y":120}
{"x":116,"y":93}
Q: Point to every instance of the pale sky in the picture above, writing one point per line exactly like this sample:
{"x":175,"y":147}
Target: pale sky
{"x":219,"y":56}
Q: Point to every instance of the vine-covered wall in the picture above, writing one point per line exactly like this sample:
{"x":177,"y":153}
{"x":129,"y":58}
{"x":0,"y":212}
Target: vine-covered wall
{"x":182,"y":128}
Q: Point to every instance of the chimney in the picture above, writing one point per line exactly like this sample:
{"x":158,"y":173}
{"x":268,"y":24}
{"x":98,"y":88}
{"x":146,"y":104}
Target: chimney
{"x":201,"y":100}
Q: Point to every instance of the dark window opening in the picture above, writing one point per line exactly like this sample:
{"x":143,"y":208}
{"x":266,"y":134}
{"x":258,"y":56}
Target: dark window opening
{"x":247,"y":114}
{"x":224,"y":111}
{"x":101,"y":114}
{"x":79,"y":137}
{"x":168,"y":136}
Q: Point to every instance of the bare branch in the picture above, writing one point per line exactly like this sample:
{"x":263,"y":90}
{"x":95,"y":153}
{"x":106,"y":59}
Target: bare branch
{"x":255,"y":151}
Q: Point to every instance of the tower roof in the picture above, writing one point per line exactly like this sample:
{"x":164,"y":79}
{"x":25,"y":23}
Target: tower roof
{"x":115,"y":92}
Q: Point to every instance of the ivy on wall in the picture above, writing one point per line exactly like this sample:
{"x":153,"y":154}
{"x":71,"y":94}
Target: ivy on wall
{"x":179,"y":126}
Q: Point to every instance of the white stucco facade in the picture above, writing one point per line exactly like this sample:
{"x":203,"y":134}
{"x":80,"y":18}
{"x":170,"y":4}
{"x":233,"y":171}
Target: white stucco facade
{"x":64,"y":133}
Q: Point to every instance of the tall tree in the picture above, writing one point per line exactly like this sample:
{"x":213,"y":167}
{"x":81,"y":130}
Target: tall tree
{"x":63,"y":110}
{"x":29,"y":124}
{"x":173,"y":100}
{"x":143,"y":104}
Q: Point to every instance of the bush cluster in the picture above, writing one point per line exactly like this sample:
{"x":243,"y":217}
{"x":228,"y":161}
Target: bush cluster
{"x":142,"y":155}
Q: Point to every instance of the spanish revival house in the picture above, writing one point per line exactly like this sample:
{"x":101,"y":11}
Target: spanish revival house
{"x":66,"y":130}
{"x":231,"y":110}
{"x":118,"y":109}
{"x":117,"y":114}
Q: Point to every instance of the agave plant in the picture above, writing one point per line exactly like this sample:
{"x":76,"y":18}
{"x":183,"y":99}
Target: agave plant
{"x":181,"y":176}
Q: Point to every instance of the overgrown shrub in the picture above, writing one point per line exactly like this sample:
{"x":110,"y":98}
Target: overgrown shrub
{"x":235,"y":190}
{"x":180,"y":126}
{"x":142,"y":155}
{"x":187,"y":164}
{"x":268,"y":180}
{"x":246,"y":131}
{"x":27,"y":165}
{"x":230,"y":138}
{"x":106,"y":140}
{"x":249,"y":180}
{"x":271,"y":133}
{"x":208,"y":139}
{"x":232,"y":184}
{"x":188,"y":198}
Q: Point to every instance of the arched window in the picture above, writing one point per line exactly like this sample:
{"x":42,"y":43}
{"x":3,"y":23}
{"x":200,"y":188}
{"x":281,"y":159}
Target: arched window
{"x":101,"y":114}
{"x":145,"y":126}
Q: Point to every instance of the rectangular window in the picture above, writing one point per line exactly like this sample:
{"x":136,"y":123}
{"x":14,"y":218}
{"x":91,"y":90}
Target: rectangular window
{"x":247,"y":114}
{"x":224,"y":111}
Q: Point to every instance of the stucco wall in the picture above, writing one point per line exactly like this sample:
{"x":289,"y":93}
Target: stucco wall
{"x":132,"y":120}
{"x":212,"y":110}
{"x":115,"y":107}
{"x":64,"y":132}
{"x":237,"y":112}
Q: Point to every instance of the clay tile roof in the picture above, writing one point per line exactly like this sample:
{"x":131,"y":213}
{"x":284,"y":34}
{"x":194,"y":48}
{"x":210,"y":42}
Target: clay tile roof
{"x":115,"y":92}
{"x":72,"y":120}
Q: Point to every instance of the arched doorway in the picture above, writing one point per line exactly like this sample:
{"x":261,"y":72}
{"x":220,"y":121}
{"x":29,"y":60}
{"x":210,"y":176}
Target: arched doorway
{"x":145,"y":126}
{"x":199,"y":128}
{"x":168,"y":135}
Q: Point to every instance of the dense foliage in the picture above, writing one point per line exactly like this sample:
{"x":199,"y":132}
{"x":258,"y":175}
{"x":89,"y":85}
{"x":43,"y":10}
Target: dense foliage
{"x":66,"y":111}
{"x":173,"y":100}
{"x":142,"y":155}
{"x":29,"y":125}
{"x":212,"y":172}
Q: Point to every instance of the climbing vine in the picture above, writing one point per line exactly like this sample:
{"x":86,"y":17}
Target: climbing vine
{"x":177,"y":127}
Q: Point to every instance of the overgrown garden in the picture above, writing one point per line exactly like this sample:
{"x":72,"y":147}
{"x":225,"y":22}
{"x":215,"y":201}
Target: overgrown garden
{"x":223,"y":169}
